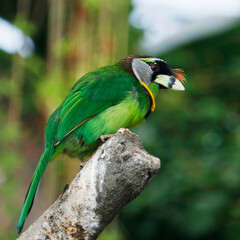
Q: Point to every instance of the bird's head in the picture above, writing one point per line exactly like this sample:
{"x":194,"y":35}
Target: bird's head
{"x":149,"y":70}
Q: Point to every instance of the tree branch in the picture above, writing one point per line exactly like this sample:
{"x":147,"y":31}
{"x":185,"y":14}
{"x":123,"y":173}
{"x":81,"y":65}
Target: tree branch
{"x":114,"y":176}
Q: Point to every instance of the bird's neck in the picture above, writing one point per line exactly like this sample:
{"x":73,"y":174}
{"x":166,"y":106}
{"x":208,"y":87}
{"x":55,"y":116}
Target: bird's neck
{"x":154,"y":89}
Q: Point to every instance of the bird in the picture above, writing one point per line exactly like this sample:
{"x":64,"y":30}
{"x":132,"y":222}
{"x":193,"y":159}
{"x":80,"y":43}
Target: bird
{"x":100,"y":103}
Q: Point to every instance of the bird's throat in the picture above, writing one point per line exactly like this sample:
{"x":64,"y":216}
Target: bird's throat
{"x":150,"y":93}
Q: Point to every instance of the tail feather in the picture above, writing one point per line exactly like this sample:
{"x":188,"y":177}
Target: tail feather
{"x":33,"y":187}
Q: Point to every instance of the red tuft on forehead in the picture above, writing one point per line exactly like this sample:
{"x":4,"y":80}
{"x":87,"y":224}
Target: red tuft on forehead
{"x":179,"y":74}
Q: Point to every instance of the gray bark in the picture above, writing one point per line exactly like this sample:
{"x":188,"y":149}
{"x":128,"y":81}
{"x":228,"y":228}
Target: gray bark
{"x":114,"y":176}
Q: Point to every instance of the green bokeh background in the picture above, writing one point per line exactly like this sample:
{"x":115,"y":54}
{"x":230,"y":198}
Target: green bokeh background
{"x":195,"y":133}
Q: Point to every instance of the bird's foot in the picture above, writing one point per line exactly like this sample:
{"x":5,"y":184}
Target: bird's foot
{"x":105,"y":137}
{"x":82,"y":165}
{"x":65,"y":188}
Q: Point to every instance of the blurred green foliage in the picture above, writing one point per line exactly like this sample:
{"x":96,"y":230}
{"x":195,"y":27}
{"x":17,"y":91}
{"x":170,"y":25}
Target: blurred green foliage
{"x":195,"y":133}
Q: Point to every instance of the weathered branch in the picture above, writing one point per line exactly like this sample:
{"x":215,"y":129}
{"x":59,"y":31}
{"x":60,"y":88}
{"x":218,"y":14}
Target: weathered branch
{"x":114,"y":176}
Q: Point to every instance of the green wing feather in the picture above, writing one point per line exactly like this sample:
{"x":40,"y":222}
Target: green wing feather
{"x":91,"y":95}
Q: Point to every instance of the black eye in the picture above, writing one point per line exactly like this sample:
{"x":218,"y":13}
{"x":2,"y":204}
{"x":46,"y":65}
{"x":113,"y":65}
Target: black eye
{"x":154,"y":67}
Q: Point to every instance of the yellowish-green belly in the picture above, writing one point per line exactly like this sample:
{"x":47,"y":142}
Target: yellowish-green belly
{"x":124,"y":115}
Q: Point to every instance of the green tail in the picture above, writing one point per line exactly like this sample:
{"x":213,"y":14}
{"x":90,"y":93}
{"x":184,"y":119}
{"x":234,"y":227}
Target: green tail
{"x":33,"y":188}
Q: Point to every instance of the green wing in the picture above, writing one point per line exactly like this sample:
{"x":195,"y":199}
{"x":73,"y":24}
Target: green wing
{"x":91,"y":95}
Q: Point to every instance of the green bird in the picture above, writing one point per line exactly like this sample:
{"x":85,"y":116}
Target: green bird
{"x":101,"y":102}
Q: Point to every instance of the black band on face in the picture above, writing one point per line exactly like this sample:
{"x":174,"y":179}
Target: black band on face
{"x":162,"y":68}
{"x":171,"y":82}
